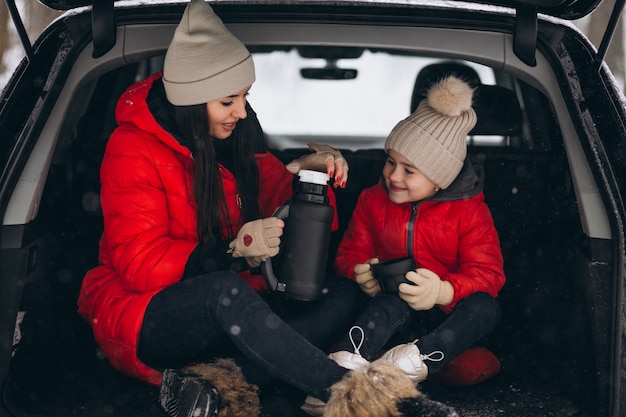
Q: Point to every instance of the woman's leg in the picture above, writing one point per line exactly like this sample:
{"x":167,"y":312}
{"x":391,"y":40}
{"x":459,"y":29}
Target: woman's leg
{"x":384,"y":314}
{"x":322,"y":322}
{"x":187,"y":321}
{"x":473,"y":318}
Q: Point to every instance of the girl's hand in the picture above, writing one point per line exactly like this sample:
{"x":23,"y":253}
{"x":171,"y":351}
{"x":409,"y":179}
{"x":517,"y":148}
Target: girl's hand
{"x":324,"y":159}
{"x":428,"y":290}
{"x":364,"y":277}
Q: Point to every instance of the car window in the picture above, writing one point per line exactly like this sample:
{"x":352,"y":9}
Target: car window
{"x":357,"y":112}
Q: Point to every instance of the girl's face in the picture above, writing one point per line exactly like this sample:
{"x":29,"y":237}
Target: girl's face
{"x":224,"y":113}
{"x":404,"y":182}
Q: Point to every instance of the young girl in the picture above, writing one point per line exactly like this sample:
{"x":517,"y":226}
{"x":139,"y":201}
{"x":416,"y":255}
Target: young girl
{"x":188,"y":190}
{"x":428,"y":205}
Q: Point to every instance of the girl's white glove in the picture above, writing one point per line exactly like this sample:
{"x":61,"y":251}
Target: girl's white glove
{"x":365,"y":278}
{"x":428,"y":290}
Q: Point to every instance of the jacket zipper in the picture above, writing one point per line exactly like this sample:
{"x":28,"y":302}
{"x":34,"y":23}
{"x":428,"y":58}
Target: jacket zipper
{"x":409,"y":240}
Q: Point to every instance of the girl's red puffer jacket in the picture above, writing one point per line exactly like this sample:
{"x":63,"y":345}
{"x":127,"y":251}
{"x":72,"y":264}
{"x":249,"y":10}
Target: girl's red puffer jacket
{"x":456,"y":239}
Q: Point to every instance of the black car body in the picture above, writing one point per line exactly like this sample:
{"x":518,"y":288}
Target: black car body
{"x":551,"y":147}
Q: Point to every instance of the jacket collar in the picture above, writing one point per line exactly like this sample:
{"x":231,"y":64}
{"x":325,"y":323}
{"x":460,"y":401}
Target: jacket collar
{"x":466,"y":185}
{"x":161,"y":110}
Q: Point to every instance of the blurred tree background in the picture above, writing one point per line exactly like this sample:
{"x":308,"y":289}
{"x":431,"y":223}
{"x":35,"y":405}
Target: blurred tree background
{"x":36,"y":16}
{"x":594,"y":26}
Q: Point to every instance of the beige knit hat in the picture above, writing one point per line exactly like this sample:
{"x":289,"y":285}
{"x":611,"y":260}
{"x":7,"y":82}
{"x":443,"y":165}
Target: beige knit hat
{"x":204,"y":61}
{"x":433,"y":138}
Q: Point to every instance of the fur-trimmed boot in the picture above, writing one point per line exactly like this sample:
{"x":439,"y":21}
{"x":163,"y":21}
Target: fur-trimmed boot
{"x":215,"y":389}
{"x":381,"y":389}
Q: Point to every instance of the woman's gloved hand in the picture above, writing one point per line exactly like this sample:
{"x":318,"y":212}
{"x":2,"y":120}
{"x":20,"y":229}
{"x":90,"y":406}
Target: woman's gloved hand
{"x":258,"y":240}
{"x":365,"y":278}
{"x":256,"y":261}
{"x":324,"y":158}
{"x":428,"y":290}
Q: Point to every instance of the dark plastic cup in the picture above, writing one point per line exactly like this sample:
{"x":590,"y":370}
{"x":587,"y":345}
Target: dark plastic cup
{"x":392,"y":273}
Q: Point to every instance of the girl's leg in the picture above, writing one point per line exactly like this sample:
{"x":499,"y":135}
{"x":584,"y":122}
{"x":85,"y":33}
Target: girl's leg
{"x":384,"y":314}
{"x":187,"y":321}
{"x":473,"y":318}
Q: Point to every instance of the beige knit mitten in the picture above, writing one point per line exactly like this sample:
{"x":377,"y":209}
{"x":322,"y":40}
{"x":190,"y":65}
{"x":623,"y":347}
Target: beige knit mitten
{"x":258,"y":239}
{"x":428,"y":291}
{"x":365,"y":278}
{"x":316,"y":161}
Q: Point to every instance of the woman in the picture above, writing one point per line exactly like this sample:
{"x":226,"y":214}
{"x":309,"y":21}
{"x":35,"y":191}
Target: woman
{"x":187,"y":191}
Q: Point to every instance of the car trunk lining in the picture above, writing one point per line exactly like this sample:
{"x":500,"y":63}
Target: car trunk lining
{"x":544,"y":340}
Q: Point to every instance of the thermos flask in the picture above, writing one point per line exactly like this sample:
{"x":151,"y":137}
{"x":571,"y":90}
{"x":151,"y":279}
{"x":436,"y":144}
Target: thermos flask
{"x":299,"y":270}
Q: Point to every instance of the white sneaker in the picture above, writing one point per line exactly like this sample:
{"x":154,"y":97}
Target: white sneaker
{"x":314,"y":406}
{"x":349,"y":360}
{"x":409,"y":358}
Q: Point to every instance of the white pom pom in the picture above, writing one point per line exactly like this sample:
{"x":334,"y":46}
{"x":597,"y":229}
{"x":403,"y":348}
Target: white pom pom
{"x":451,"y":96}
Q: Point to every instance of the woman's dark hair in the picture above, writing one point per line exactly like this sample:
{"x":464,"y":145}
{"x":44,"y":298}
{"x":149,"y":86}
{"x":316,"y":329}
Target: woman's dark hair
{"x":193,"y":124}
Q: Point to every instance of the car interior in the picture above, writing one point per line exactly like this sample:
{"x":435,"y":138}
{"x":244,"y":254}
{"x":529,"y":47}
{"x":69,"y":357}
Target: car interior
{"x":553,"y":226}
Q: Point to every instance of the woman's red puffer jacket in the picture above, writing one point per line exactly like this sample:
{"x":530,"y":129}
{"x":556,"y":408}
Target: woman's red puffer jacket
{"x":150,"y":226}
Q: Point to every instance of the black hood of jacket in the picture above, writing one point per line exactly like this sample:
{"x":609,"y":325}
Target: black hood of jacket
{"x":162,"y":111}
{"x":466,"y":185}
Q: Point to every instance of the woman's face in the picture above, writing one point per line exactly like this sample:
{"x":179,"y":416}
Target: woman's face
{"x":224,"y":113}
{"x":404,"y":182}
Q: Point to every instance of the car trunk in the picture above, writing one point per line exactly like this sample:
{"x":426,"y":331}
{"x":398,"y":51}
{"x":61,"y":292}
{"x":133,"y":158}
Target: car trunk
{"x":556,"y":304}
{"x":544,"y":340}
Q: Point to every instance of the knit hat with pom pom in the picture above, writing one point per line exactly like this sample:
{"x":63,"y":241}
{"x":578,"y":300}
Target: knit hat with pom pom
{"x":433,"y":138}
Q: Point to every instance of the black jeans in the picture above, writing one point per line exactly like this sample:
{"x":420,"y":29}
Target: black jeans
{"x":473,"y":318}
{"x":219,"y":315}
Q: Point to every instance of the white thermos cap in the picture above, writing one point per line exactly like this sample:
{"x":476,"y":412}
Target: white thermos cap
{"x":313,"y":177}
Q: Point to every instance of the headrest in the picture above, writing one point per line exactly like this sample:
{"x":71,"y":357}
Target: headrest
{"x":497,"y":111}
{"x":432,"y":73}
{"x":497,"y":108}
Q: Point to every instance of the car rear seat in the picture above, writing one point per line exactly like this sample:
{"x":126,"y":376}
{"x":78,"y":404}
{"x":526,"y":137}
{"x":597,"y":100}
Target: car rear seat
{"x":498,"y":112}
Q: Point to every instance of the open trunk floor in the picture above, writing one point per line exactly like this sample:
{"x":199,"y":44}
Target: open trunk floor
{"x":96,"y":390}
